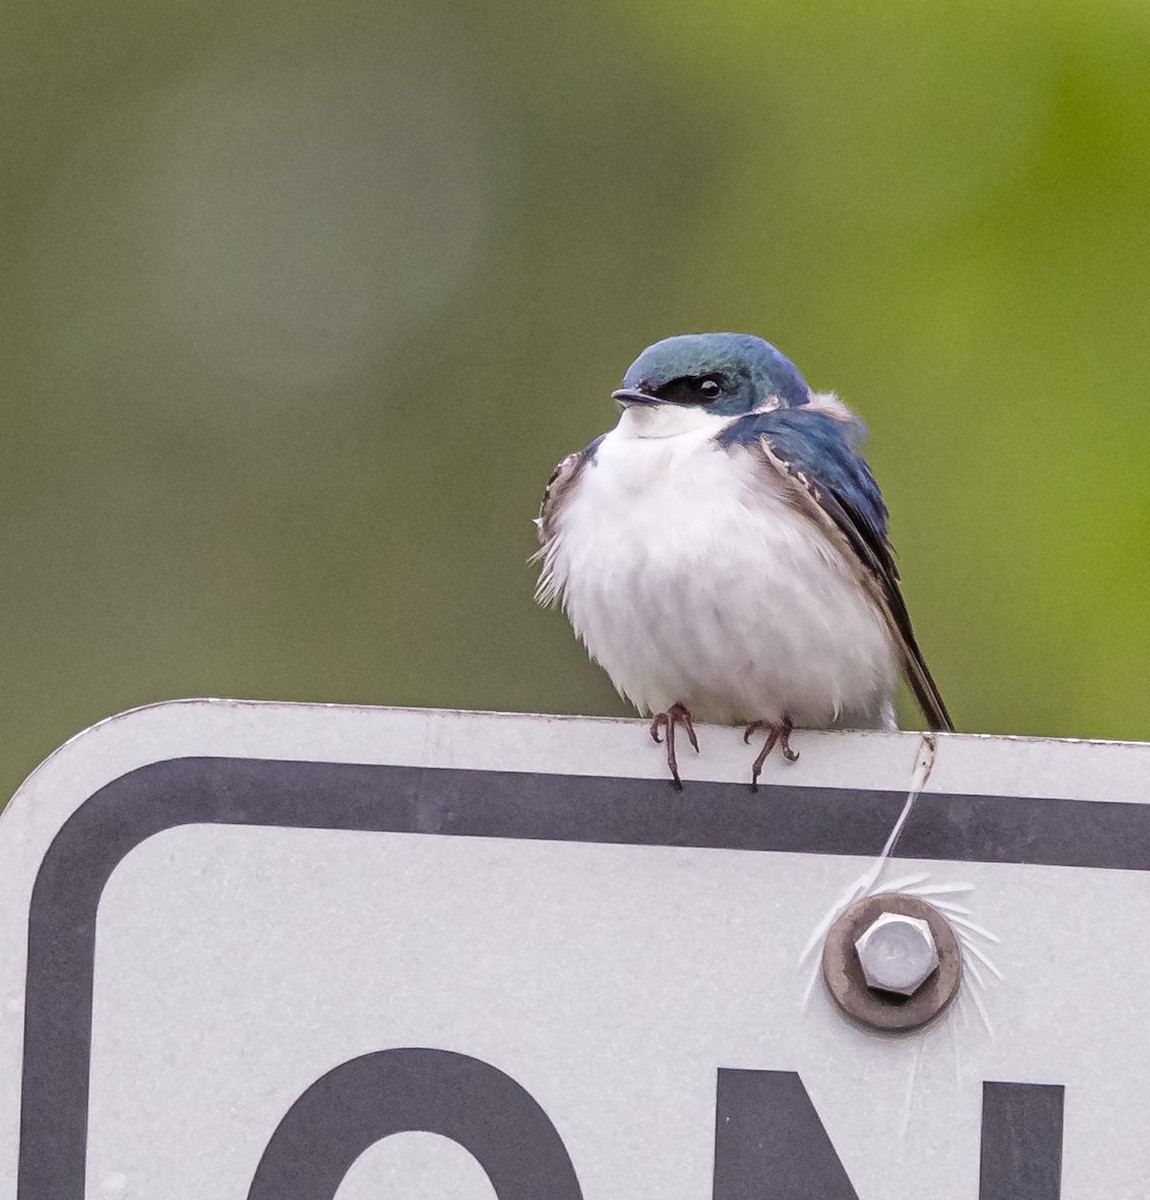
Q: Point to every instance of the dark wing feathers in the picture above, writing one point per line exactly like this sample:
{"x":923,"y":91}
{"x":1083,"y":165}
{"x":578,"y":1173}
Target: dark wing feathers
{"x":814,"y":450}
{"x":555,"y":495}
{"x":559,"y":485}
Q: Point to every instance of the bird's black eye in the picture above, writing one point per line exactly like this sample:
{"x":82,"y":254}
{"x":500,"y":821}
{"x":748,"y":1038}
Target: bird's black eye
{"x":708,"y":387}
{"x":692,"y":389}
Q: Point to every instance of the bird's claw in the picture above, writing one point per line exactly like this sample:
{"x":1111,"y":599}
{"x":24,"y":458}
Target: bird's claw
{"x":665,"y":722}
{"x":777,"y":734}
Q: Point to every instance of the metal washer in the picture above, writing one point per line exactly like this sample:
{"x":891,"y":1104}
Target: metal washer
{"x":888,"y":1013}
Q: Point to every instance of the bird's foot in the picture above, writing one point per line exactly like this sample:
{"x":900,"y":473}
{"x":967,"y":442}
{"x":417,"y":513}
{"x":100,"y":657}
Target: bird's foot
{"x":777,"y":734}
{"x":677,"y":714}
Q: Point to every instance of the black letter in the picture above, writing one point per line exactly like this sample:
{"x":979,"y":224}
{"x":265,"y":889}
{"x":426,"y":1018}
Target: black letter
{"x":411,"y":1090}
{"x":1021,"y":1141}
{"x":770,"y":1143}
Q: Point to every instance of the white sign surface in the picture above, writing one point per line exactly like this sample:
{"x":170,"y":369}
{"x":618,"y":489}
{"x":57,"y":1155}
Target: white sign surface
{"x":320,"y":953}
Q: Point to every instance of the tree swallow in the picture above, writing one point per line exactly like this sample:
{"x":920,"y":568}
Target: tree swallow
{"x":723,"y":554}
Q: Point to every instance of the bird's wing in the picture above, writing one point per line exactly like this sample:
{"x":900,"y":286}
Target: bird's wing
{"x":555,"y":496}
{"x":812,"y":447}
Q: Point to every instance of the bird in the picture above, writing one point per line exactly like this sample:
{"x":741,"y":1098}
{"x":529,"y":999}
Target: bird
{"x":723,"y":553}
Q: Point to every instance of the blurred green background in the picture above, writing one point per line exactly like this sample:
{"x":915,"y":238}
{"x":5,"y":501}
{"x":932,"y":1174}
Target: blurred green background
{"x":302,"y":301}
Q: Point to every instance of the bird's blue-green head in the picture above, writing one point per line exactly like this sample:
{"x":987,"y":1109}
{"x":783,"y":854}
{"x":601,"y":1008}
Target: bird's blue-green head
{"x":725,"y":373}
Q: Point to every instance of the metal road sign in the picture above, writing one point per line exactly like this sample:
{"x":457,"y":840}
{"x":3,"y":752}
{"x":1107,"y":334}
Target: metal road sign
{"x":293,"y":952}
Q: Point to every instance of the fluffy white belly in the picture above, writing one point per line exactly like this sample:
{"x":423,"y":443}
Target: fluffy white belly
{"x":690,"y":578}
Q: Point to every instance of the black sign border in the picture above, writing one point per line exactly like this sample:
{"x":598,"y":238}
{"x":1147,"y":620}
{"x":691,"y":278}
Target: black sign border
{"x":451,"y":802}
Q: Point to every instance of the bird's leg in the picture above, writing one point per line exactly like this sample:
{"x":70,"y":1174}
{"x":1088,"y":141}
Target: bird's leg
{"x":677,"y":714}
{"x":779,"y":734}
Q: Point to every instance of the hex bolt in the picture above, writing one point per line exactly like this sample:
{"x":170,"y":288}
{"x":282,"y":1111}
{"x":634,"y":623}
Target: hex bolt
{"x":897,"y":953}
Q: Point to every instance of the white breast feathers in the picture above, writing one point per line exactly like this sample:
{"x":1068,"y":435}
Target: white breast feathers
{"x":691,"y":574}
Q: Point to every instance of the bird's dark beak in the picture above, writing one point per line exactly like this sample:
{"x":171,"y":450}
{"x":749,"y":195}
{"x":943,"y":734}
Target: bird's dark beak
{"x":627,"y":396}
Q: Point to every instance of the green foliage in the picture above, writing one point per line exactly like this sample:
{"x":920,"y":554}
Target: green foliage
{"x":301,"y":303}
